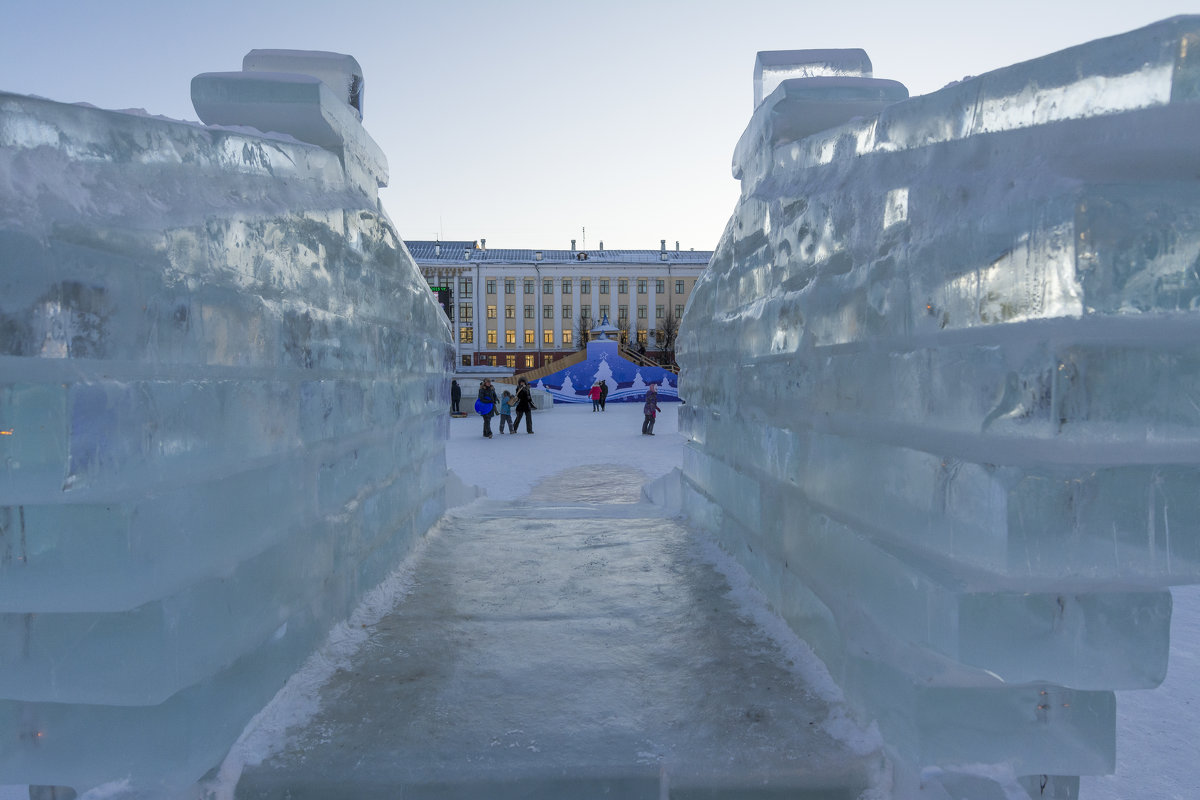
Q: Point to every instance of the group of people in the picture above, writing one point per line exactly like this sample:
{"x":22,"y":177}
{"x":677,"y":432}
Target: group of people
{"x":504,"y":405}
{"x":598,"y":393}
{"x":523,"y":403}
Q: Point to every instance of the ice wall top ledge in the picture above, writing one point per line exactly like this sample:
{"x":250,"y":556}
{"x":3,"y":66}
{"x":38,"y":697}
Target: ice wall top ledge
{"x":313,"y":96}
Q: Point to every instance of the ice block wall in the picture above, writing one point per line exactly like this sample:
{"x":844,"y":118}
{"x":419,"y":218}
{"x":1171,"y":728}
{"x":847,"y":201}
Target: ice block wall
{"x":222,"y":397}
{"x":943,"y":391}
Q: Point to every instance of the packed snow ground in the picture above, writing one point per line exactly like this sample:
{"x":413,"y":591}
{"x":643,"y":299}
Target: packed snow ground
{"x":1157,"y":729}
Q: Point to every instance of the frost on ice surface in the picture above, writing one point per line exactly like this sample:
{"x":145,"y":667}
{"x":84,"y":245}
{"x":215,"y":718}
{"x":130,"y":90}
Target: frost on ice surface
{"x":940,"y":378}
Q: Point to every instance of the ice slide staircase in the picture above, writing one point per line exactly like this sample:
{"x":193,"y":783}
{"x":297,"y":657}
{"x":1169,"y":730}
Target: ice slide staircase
{"x":548,"y":369}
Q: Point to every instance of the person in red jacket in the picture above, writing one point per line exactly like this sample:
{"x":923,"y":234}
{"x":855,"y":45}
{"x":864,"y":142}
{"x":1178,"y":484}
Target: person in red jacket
{"x":595,"y":395}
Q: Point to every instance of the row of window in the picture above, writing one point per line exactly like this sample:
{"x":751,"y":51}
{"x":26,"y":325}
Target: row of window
{"x":509,"y":361}
{"x":585,"y":286}
{"x":467,"y":312}
{"x":466,"y":335}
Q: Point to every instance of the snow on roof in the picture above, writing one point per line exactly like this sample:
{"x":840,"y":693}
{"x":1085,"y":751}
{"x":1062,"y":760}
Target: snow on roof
{"x":453,"y":253}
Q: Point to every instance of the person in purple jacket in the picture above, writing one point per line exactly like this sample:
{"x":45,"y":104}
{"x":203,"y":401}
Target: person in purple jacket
{"x":650,"y":410}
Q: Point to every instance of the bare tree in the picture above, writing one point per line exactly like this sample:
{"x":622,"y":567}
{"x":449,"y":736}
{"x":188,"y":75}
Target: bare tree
{"x":624,"y":331}
{"x":583,"y":332}
{"x":667,"y":334}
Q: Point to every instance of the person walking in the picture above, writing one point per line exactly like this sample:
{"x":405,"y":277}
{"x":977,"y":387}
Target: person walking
{"x":455,"y":397}
{"x":594,"y":393}
{"x":487,"y":395}
{"x":506,"y":412}
{"x":603,"y":393}
{"x":650,"y":410}
{"x":525,"y":406}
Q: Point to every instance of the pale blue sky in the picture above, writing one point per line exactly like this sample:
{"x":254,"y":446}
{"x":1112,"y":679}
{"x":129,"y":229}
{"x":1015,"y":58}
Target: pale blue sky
{"x":525,"y":122}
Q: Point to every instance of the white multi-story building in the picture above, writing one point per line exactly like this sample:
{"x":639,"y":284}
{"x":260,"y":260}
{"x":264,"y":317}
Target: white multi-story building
{"x":526,"y":308}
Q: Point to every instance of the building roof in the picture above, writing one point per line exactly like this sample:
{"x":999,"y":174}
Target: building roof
{"x":434,"y":252}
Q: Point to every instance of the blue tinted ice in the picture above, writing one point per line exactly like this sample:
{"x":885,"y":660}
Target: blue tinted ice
{"x":221,"y":382}
{"x":941,"y":379}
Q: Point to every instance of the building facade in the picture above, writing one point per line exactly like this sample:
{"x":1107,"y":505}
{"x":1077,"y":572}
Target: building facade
{"x":527,"y":308}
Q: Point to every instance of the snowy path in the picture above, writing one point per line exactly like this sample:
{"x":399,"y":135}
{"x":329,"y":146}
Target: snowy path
{"x":556,"y":646}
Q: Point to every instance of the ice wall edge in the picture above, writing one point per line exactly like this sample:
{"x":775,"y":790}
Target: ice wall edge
{"x":222,"y":403}
{"x":940,"y":380}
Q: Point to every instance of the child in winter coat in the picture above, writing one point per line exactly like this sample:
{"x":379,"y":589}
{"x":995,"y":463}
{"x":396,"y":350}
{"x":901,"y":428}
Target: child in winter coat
{"x":650,"y":410}
{"x":506,"y":412}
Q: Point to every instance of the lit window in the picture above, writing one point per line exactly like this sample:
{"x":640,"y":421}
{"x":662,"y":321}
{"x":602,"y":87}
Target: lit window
{"x":466,"y":361}
{"x":466,"y":335}
{"x":642,"y":336}
{"x":510,"y":336}
{"x":493,"y":360}
{"x":510,"y":312}
{"x":510,"y":361}
{"x":491,"y":337}
{"x":528,"y":336}
{"x":547,"y":337}
{"x":528,"y":361}
{"x":566,"y":337}
{"x":491,"y":312}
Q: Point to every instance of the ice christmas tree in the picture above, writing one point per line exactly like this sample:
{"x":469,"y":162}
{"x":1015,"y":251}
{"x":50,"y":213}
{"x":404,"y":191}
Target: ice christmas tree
{"x":604,"y":372}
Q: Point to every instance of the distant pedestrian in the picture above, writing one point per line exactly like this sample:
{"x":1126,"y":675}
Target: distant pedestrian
{"x":455,"y":397}
{"x":595,"y":395}
{"x":525,"y":406}
{"x":487,"y":395}
{"x":650,"y":410}
{"x":506,"y":412}
{"x":603,"y":393}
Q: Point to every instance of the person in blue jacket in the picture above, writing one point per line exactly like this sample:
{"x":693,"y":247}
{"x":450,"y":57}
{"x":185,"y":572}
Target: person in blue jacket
{"x":487,"y":395}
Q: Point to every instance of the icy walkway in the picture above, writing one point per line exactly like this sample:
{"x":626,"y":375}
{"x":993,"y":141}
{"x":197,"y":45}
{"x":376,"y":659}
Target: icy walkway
{"x":574,"y":642}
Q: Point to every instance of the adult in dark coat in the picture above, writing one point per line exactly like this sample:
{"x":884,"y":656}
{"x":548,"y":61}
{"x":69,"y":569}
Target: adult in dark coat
{"x":455,"y":396}
{"x":603,"y":393}
{"x":524,"y":406}
{"x":488,"y":395}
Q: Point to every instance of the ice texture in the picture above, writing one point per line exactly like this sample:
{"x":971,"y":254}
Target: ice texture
{"x":222,"y":384}
{"x":944,"y":392}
